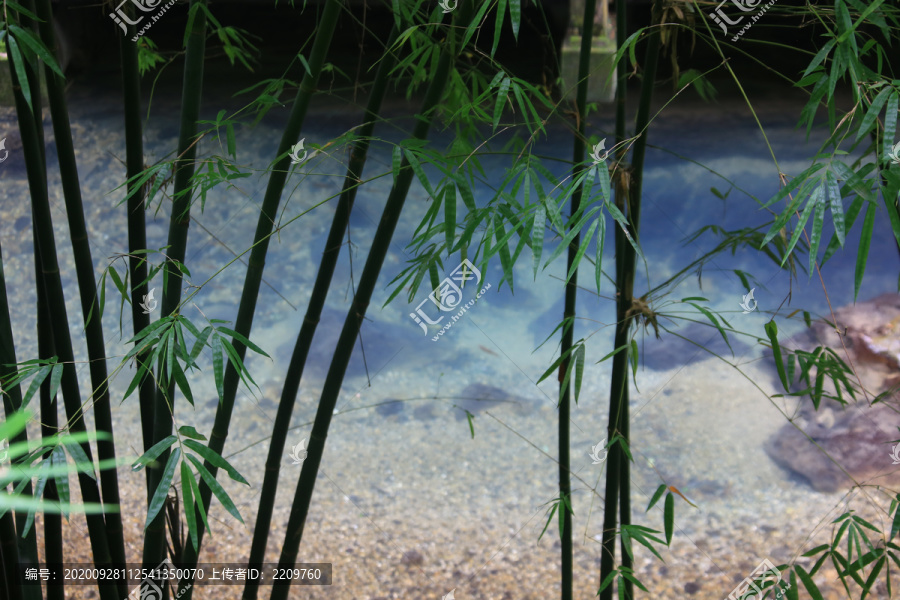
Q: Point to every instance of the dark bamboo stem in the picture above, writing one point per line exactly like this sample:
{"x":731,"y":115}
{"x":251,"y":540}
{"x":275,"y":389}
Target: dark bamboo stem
{"x":45,"y":243}
{"x":578,"y":154}
{"x":344,"y":349}
{"x":180,"y":219}
{"x":137,"y":234}
{"x":313,"y":314}
{"x":53,"y":539}
{"x":84,"y":268}
{"x":10,"y":541}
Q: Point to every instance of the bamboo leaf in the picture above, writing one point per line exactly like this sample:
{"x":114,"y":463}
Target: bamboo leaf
{"x":218,"y":366}
{"x":502,"y":94}
{"x":82,"y":462}
{"x":537,"y":236}
{"x":215,"y":459}
{"x":772,"y":333}
{"x":19,"y":66}
{"x":669,"y":517}
{"x":837,"y":209}
{"x":195,"y":492}
{"x":598,"y":259}
{"x":498,"y":25}
{"x":36,"y":384}
{"x":862,"y":254}
{"x":818,"y":222}
{"x":515,"y":15}
{"x":868,"y":121}
{"x":58,"y":458}
{"x":217,"y":489}
{"x":244,"y":341}
{"x":579,"y":369}
{"x":151,"y":454}
{"x":449,"y":215}
{"x":182,"y":382}
{"x":890,"y":123}
{"x":187,"y":498}
{"x":808,"y":583}
{"x":581,"y":249}
{"x":162,"y":490}
{"x":656,"y":496}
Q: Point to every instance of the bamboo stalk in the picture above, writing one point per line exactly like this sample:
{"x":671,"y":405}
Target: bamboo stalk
{"x":257,"y":260}
{"x":53,"y":539}
{"x":578,"y":155}
{"x":87,"y":285}
{"x":344,"y":349}
{"x":45,"y":244}
{"x":137,"y":235}
{"x":313,"y":314}
{"x":180,"y":219}
{"x":10,"y":541}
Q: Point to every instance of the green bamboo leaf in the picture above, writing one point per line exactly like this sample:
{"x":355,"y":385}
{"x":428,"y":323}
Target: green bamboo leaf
{"x":471,"y":419}
{"x":19,"y":65}
{"x":515,"y":15}
{"x":217,"y":489}
{"x":38,"y":493}
{"x":502,"y":247}
{"x":417,"y":169}
{"x":862,"y":254}
{"x":182,"y":383}
{"x":244,"y":341}
{"x":818,"y":222}
{"x":808,"y":583}
{"x":170,"y":354}
{"x":598,"y":259}
{"x":537,"y":236}
{"x":890,"y":123}
{"x":58,"y":459}
{"x":37,"y":46}
{"x":582,"y":249}
{"x":199,"y":345}
{"x":772,"y":333}
{"x":235,"y":359}
{"x":502,"y":95}
{"x":162,"y":490}
{"x":189,"y":432}
{"x":136,"y":380}
{"x":891,"y":196}
{"x":656,"y":496}
{"x":151,"y":454}
{"x":868,"y":121}
{"x":195,"y":492}
{"x":35,"y":384}
{"x":669,"y":517}
{"x":498,"y":25}
{"x":837,"y":209}
{"x":475,"y":24}
{"x":215,"y":459}
{"x":465,"y":191}
{"x":187,"y":498}
{"x":579,"y":369}
{"x":633,"y":355}
{"x":229,"y":135}
{"x":218,"y":366}
{"x":82,"y":462}
{"x":449,"y":215}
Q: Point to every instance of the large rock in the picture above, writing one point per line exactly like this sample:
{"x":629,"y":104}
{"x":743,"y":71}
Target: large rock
{"x":857,"y":436}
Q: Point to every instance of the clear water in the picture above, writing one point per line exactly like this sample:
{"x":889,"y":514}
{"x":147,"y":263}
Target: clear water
{"x":394,"y":480}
